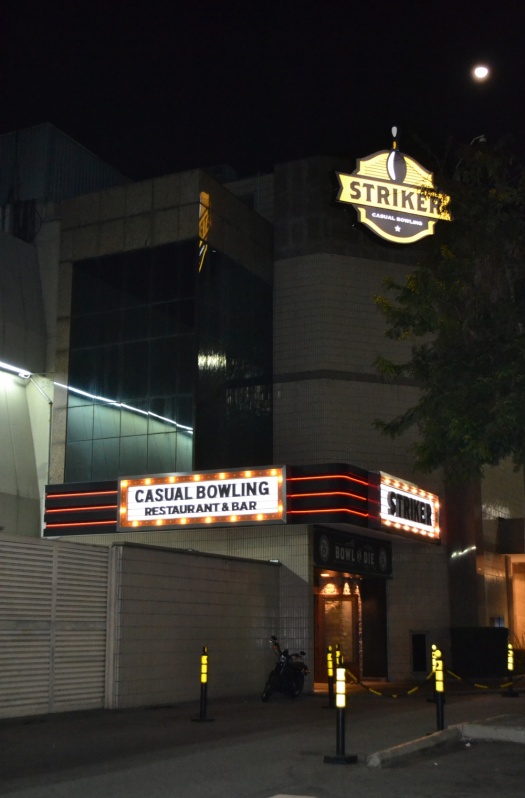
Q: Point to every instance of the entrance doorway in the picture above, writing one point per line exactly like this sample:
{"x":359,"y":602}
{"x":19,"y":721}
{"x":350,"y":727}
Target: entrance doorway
{"x":337,"y":625}
{"x":350,"y":579}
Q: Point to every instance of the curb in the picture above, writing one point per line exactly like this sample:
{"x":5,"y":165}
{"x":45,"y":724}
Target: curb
{"x":391,"y":756}
{"x":502,"y":728}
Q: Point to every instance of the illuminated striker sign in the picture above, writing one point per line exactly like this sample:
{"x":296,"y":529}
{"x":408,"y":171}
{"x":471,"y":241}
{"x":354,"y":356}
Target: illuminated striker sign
{"x":394,"y":196}
{"x":247,"y":496}
{"x":407,"y":508}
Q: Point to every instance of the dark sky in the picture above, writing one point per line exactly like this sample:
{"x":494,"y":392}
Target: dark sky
{"x":155,"y":87}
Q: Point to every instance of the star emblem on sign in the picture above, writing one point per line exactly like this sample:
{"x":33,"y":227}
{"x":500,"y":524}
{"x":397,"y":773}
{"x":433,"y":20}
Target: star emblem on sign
{"x":397,"y":228}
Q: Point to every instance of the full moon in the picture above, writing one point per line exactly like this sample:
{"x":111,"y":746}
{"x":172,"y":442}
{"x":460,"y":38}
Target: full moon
{"x":480,"y":72}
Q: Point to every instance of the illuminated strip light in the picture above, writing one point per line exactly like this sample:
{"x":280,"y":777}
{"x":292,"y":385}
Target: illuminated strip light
{"x":327,"y":510}
{"x":468,"y":550}
{"x":114,"y":404}
{"x":84,"y":493}
{"x":328,"y":476}
{"x":80,"y":523}
{"x":76,"y":509}
{"x":326,"y":493}
{"x":20,"y":372}
{"x":24,"y":374}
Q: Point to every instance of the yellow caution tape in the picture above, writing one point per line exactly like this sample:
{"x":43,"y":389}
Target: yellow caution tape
{"x":378,"y":692}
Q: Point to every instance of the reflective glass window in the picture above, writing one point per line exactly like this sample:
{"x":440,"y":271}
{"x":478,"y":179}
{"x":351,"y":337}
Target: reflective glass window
{"x":158,"y":347}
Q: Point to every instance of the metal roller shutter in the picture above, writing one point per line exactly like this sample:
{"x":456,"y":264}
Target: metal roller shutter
{"x":53,"y":608}
{"x":80,"y":627}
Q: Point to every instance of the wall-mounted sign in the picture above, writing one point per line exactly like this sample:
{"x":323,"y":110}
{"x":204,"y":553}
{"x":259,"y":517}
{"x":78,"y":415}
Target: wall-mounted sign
{"x":204,"y":226}
{"x":352,"y":553}
{"x":405,"y":507}
{"x":247,"y":496}
{"x":394,"y":196}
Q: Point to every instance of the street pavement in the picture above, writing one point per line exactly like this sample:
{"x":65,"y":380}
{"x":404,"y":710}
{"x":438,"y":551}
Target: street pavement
{"x":249,"y":749}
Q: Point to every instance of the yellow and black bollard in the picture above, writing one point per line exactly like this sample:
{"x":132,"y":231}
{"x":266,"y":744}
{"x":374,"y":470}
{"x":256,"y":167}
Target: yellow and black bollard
{"x":434,"y":649}
{"x":510,"y":692}
{"x":439,"y":681}
{"x":204,"y":687}
{"x":433,"y":699}
{"x":330,"y":676}
{"x":340,"y":757}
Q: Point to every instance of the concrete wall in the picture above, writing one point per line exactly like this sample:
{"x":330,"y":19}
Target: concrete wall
{"x":290,"y":545}
{"x":417,"y":602}
{"x":22,"y":327}
{"x":25,"y":411}
{"x":169,"y":605}
{"x":25,"y":405}
{"x":327,"y":394}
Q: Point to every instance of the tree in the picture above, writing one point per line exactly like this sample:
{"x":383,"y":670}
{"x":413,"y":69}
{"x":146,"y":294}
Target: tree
{"x":463,"y":311}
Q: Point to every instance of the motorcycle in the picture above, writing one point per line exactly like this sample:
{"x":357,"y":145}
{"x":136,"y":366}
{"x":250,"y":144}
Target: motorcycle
{"x":288,"y":674}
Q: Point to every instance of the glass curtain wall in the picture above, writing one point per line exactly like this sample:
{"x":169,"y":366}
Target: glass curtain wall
{"x":170,"y":368}
{"x":132,"y":367}
{"x":234,"y":426}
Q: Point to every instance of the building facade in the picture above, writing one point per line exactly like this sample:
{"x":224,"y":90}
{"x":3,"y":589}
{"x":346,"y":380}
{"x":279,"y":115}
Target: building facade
{"x":207,"y":327}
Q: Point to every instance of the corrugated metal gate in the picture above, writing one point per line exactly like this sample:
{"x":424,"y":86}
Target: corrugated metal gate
{"x":53,"y":610}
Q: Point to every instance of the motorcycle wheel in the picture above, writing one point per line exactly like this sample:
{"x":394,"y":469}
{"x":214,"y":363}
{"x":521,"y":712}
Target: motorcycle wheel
{"x":296,"y":688}
{"x":269,"y":687}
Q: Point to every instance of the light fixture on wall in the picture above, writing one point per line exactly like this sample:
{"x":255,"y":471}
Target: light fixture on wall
{"x":20,"y":372}
{"x":121,"y":405}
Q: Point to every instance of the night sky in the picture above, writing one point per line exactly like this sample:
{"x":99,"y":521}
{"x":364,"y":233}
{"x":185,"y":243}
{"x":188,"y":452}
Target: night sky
{"x":155,"y":87}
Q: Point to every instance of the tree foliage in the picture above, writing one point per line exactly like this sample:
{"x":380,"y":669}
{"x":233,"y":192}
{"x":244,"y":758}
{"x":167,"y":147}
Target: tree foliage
{"x":463,"y":311}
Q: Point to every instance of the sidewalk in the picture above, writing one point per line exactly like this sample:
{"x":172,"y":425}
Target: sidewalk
{"x":256,"y":750}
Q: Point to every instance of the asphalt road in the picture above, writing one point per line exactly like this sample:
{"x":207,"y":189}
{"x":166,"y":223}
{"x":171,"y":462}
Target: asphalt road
{"x":256,"y":750}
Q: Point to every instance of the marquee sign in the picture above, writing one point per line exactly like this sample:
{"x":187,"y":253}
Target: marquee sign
{"x":405,"y":507}
{"x":394,"y":196}
{"x":208,"y":497}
